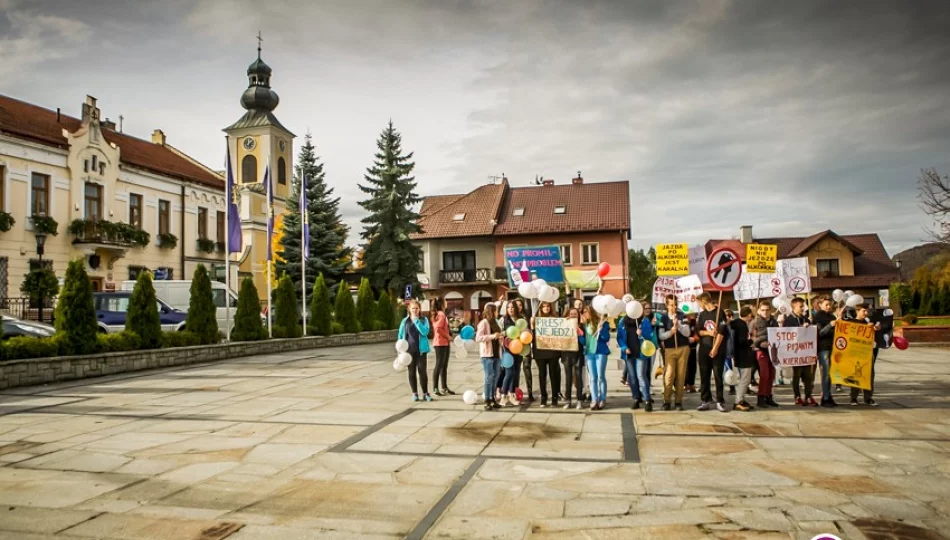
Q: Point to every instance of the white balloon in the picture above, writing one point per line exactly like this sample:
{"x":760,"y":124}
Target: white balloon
{"x":837,"y":295}
{"x":528,"y":290}
{"x":402,"y":346}
{"x":634,"y":309}
{"x":459,"y":342}
{"x":397,"y":366}
{"x":461,"y":353}
{"x":550,"y":295}
{"x":616,"y":308}
{"x":777,"y":302}
{"x":627,"y":298}
{"x":470,"y":345}
{"x":854,"y":300}
{"x":888,"y":312}
{"x":538,"y":283}
{"x":404,"y":359}
{"x":731,"y":378}
{"x":469,"y":397}
{"x":599,"y":303}
{"x":848,"y":293}
{"x":542,"y":292}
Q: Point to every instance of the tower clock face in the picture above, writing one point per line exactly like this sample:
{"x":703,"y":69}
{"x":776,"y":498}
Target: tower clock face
{"x":249,"y":143}
{"x":282,"y":145}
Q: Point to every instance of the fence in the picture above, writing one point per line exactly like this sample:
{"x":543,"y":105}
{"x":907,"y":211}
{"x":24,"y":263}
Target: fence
{"x":27,"y":308}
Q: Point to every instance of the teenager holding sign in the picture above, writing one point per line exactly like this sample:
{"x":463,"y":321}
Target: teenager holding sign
{"x":713,"y":331}
{"x":548,"y":360}
{"x":675,"y":333}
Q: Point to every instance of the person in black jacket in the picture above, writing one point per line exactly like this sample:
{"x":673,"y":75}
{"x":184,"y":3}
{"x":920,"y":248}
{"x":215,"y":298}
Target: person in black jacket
{"x":804,"y":375}
{"x":549,"y":361}
{"x":861,"y":312}
{"x":744,"y":360}
{"x":824,"y":319}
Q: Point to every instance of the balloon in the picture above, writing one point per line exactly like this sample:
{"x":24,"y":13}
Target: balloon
{"x":837,"y":295}
{"x":888,"y":312}
{"x":901,"y":343}
{"x":404,"y":359}
{"x":512,"y":332}
{"x":634,"y":309}
{"x":550,"y":295}
{"x":648,"y":348}
{"x":777,"y":302}
{"x":848,"y":293}
{"x":519,"y":394}
{"x":854,"y":300}
{"x":461,"y":353}
{"x":467,"y":332}
{"x":528,"y":290}
{"x":459,"y":342}
{"x":469,"y":397}
{"x":603,"y":269}
{"x":538,"y":283}
{"x":731,"y":378}
{"x":616,"y":308}
{"x":627,"y":298}
{"x":470,"y":345}
{"x":397,"y":366}
{"x":515,"y":346}
{"x":598,"y":303}
{"x":402,"y":346}
{"x":507,"y":360}
{"x":526,"y":337}
{"x":543,"y":292}
{"x":521,"y":324}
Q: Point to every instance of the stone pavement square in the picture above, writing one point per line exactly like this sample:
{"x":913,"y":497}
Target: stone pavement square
{"x":327,"y":444}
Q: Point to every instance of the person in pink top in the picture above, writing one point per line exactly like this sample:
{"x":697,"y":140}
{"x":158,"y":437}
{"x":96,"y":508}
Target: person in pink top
{"x":440,"y":324}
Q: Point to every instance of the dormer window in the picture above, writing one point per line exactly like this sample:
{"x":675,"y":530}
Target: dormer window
{"x":458,"y":217}
{"x":102,"y":168}
{"x":95,"y":163}
{"x":560,"y":209}
{"x":85,"y":166}
{"x":518,"y":211}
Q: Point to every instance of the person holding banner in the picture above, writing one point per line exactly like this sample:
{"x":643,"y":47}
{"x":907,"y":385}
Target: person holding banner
{"x":549,"y":361}
{"x":801,"y":375}
{"x":574,"y":363}
{"x":824,"y":319}
{"x":861,"y":316}
{"x":597,"y":336}
{"x":489,"y":336}
{"x":711,"y":354}
{"x":760,"y":342}
{"x":674,"y":336}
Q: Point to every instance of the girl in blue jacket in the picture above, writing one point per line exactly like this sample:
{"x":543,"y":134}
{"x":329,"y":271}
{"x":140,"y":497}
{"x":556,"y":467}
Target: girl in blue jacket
{"x":597,"y":334}
{"x":631,"y":335}
{"x":415,"y":329}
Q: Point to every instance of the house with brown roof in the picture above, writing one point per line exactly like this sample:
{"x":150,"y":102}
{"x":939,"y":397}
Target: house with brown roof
{"x":856,"y":262}
{"x":464,"y":237}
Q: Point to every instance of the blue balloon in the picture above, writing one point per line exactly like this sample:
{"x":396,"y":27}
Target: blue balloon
{"x":507,"y":360}
{"x":468,"y":333}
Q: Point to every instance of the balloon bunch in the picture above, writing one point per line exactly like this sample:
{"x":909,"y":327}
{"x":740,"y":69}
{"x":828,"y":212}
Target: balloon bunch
{"x":538,"y":290}
{"x":518,"y":336}
{"x":465,"y":343}
{"x":403,"y":358}
{"x":848,"y":298}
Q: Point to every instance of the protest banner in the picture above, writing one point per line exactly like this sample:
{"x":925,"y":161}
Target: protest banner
{"x":537,"y":262}
{"x":760,"y":258}
{"x":555,"y":333}
{"x":672,"y":259}
{"x":754,"y":286}
{"x":793,"y":347}
{"x":852,"y":354}
{"x":697,"y":262}
{"x":686,"y":289}
{"x":795,"y":276}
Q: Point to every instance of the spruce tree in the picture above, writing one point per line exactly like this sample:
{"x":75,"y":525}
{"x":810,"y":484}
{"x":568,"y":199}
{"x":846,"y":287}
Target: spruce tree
{"x":247,"y":319}
{"x":926,"y":300}
{"x":328,"y":252}
{"x":321,"y":319}
{"x":202,"y":317}
{"x":366,"y":306}
{"x":287,"y":321}
{"x":390,"y":258}
{"x":75,"y":312}
{"x":142,"y":317}
{"x":344,"y":311}
{"x":385,"y":312}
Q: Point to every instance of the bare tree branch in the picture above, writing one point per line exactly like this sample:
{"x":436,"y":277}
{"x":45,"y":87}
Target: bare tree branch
{"x":933,"y":192}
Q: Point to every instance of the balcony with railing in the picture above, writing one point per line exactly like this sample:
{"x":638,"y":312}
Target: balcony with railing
{"x":472,"y":275}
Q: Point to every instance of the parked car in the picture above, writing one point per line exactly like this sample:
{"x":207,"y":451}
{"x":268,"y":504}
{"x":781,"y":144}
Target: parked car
{"x":111,"y":309}
{"x":177,"y":294}
{"x":19,"y":327}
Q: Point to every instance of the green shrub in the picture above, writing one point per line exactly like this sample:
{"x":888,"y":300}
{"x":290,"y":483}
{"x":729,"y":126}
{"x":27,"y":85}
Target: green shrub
{"x":120,"y":342}
{"x":247,"y":319}
{"x":287,"y":317}
{"x":365,"y":306}
{"x":910,"y":319}
{"x":378,"y":325}
{"x":75,"y":312}
{"x":385,"y":311}
{"x":20,"y":347}
{"x":40,"y":283}
{"x":344,"y":311}
{"x":320,"y":320}
{"x":142,"y":317}
{"x":202,"y":317}
{"x":184,"y":338}
{"x":337,"y":328}
{"x":401,"y":313}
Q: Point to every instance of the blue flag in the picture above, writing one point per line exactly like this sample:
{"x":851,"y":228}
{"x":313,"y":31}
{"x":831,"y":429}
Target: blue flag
{"x":304,"y":218}
{"x":235,"y":238}
{"x":269,"y":186}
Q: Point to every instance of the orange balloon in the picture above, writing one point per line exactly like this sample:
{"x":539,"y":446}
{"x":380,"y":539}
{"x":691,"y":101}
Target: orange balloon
{"x":515,"y":346}
{"x":526,"y":337}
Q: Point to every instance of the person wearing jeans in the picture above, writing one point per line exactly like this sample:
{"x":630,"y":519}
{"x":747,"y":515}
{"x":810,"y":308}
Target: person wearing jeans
{"x":824,"y":320}
{"x":512,"y":374}
{"x":760,"y":343}
{"x":489,"y":335}
{"x":574,"y":365}
{"x":631,"y":334}
{"x":743,"y":357}
{"x":598,"y":338}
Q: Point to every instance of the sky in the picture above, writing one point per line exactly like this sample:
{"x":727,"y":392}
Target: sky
{"x":792,"y":117}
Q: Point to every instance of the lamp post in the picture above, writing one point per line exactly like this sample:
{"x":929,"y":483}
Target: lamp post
{"x":900,"y":273}
{"x":40,"y":243}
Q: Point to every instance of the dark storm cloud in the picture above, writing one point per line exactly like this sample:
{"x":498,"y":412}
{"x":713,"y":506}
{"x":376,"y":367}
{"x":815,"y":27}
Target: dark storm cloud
{"x":790,"y":116}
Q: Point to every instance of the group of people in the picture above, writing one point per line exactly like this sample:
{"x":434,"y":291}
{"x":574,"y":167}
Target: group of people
{"x":710,"y":342}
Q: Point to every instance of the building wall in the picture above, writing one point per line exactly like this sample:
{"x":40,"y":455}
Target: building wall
{"x":829,"y":248}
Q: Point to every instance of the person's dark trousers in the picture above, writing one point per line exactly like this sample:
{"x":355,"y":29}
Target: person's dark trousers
{"x":691,"y":368}
{"x":441,"y":372}
{"x":418,"y":365}
{"x":710,"y":367}
{"x":528,"y":379}
{"x":553,"y":367}
{"x":573,"y":375}
{"x":868,"y":394}
{"x":805,"y":374}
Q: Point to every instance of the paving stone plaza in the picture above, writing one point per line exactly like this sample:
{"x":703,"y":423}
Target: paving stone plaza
{"x":327,"y":444}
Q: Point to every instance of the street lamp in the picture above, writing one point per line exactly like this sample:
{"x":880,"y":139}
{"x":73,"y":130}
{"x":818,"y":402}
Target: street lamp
{"x":40,"y":243}
{"x":900,"y":273}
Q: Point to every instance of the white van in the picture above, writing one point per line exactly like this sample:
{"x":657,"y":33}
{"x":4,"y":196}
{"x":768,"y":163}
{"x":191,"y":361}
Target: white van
{"x":177,"y":294}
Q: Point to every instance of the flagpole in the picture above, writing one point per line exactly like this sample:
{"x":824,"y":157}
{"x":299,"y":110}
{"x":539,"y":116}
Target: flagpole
{"x":227,"y":241}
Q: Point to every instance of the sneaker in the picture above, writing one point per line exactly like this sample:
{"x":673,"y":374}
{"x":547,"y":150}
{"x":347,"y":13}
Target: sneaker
{"x":854,"y":403}
{"x":636,"y":404}
{"x":666,"y":406}
{"x":428,"y":397}
{"x":602,"y":406}
{"x":811,"y":402}
{"x":544,"y":403}
{"x":799,"y":401}
{"x":771,"y":402}
{"x":593,"y":406}
{"x":495,"y":405}
{"x":649,"y":406}
{"x":579,"y":406}
{"x":447,"y":392}
{"x":678,"y":407}
{"x":742,"y":406}
{"x":837,"y":388}
{"x":553,"y":403}
{"x":871,"y":403}
{"x":781,"y":382}
{"x":415,"y":397}
{"x":691,"y":389}
{"x":623,"y":382}
{"x":568,"y":405}
{"x":703,"y":407}
{"x":828,"y":403}
{"x":438,"y":393}
{"x":720,"y":407}
{"x":488,"y":407}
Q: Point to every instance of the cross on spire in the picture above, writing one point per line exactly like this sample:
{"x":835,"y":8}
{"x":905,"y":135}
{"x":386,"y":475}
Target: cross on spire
{"x":259,"y":41}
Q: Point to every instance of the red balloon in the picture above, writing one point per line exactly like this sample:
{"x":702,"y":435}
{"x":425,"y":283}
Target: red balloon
{"x":901,"y":342}
{"x":603,"y":269}
{"x":519,"y":395}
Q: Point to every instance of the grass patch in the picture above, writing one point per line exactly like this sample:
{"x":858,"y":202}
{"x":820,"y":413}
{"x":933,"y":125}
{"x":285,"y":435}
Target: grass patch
{"x":927,"y":321}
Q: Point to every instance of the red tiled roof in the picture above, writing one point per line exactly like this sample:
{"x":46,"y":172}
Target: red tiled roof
{"x":480,"y":208}
{"x":589,"y":207}
{"x":38,"y":124}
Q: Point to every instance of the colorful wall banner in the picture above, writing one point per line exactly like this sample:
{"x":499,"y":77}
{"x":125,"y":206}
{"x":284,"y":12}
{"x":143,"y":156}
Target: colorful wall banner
{"x":555,"y":333}
{"x":852,"y":354}
{"x":672,"y":259}
{"x":685,"y":288}
{"x":793,"y":347}
{"x":537,"y":262}
{"x":760,"y":258}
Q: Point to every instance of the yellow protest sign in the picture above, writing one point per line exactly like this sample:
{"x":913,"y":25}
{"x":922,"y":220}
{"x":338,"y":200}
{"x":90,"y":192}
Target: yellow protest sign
{"x":852,"y":355}
{"x":760,"y":258}
{"x":672,"y":259}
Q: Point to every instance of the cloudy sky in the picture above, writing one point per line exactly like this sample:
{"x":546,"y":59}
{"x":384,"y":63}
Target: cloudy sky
{"x":789,"y":116}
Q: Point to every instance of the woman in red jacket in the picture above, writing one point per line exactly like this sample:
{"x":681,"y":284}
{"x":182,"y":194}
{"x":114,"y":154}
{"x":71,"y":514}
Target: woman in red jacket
{"x":440,"y":324}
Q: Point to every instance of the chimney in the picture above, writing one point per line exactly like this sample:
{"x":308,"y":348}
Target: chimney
{"x":158,"y":137}
{"x":108,"y":124}
{"x":90,"y":112}
{"x":547,"y":181}
{"x":578,"y":180}
{"x":745,"y":234}
{"x":57,"y":115}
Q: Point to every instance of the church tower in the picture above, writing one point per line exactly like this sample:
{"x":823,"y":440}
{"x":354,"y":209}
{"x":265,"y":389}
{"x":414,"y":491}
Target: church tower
{"x":258,"y":141}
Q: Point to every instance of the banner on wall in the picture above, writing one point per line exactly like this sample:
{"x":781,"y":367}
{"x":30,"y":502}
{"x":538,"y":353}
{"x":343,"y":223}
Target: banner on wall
{"x":793,"y":347}
{"x":672,"y":259}
{"x":852,"y":355}
{"x":530,"y":263}
{"x":556,"y":333}
{"x":686,"y":289}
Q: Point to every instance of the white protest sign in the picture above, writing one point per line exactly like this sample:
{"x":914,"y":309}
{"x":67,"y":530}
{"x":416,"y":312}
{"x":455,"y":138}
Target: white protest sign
{"x":795,"y":276}
{"x":685,"y":288}
{"x":753,"y":286}
{"x":791,"y":277}
{"x":697,"y":262}
{"x":793,"y":347}
{"x":555,"y":333}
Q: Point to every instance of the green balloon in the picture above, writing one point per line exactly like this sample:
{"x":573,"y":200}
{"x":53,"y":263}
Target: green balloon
{"x":512,"y":332}
{"x":521,"y":324}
